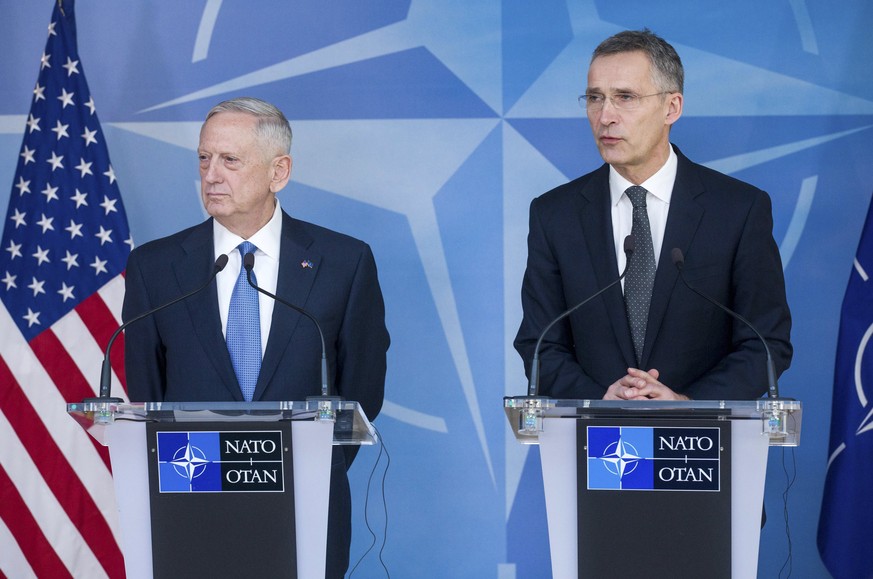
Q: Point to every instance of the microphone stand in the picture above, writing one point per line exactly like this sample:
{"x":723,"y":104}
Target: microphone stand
{"x":772,"y":385}
{"x":533,"y":403}
{"x":106,"y":369}
{"x":775,"y":414}
{"x":326,"y":404}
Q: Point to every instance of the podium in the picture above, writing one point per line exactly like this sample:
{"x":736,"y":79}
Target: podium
{"x":255,"y":473}
{"x":654,"y":488}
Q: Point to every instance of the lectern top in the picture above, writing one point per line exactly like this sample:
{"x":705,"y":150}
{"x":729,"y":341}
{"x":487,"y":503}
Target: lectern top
{"x":780,"y":417}
{"x":351,"y":425}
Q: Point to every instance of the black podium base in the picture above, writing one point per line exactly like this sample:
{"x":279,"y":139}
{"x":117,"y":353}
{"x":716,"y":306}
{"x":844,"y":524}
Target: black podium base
{"x":222,"y":500}
{"x":654,"y":502}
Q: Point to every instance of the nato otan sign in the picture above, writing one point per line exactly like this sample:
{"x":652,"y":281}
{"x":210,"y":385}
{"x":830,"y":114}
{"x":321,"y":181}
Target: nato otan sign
{"x":623,"y":458}
{"x":233,"y":461}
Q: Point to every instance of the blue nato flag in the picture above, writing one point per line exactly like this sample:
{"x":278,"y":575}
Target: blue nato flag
{"x":845,"y":530}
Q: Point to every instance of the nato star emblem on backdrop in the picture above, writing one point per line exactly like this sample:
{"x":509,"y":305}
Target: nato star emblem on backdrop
{"x":625,"y":458}
{"x":237,"y":461}
{"x":498,"y":81}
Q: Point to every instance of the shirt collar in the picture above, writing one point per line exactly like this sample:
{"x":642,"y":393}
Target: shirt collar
{"x":660,"y":184}
{"x":267,"y":239}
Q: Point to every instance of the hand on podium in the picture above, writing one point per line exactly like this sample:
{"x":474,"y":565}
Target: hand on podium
{"x":641,"y":385}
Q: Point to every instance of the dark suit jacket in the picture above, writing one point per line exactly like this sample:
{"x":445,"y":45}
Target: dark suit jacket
{"x":179,"y":354}
{"x":723,"y":227}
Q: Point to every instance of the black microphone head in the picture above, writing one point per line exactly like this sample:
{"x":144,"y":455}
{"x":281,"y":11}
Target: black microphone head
{"x":629,"y":245}
{"x":221,"y":262}
{"x":678,"y":258}
{"x":249,"y":261}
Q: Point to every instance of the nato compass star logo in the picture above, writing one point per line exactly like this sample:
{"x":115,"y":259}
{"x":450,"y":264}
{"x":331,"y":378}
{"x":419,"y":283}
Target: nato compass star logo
{"x":221,"y":461}
{"x":866,"y":424}
{"x":664,"y":458}
{"x":854,"y":367}
{"x":620,"y":458}
{"x":190,"y":462}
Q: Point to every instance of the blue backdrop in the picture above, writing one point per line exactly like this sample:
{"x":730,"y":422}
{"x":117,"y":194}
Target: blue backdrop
{"x":425,"y":127}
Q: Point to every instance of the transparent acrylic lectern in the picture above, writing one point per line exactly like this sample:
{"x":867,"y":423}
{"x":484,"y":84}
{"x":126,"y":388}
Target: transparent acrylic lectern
{"x":559,"y":427}
{"x":316,"y":425}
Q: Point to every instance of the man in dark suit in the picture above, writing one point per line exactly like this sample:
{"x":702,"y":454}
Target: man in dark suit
{"x":181,"y":353}
{"x":664,"y":342}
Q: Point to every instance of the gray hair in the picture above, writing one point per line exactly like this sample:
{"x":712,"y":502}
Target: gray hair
{"x":667,"y":72}
{"x":273,"y":128}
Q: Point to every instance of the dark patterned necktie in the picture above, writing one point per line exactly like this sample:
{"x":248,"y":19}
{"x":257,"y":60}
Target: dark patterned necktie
{"x":641,"y":271}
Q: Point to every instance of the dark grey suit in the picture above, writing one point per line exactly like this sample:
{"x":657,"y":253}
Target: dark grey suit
{"x":180,"y":354}
{"x":723,"y":227}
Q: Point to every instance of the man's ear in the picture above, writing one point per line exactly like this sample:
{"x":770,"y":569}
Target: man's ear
{"x":281,"y":172}
{"x":674,"y":109}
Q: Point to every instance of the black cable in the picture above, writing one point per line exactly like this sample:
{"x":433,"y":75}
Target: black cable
{"x":384,"y":502}
{"x":382,"y":448}
{"x":789,"y":478}
{"x":366,"y":511}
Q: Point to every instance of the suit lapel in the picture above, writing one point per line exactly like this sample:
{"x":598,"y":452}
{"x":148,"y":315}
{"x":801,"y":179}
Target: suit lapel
{"x":298,"y":268}
{"x":596,"y":219}
{"x":682,"y":222}
{"x":191,"y":272}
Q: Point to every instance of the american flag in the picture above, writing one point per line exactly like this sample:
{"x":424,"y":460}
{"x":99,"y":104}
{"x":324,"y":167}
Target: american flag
{"x":64,"y":248}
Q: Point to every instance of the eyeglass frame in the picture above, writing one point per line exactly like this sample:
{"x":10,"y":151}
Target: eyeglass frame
{"x":584,"y":103}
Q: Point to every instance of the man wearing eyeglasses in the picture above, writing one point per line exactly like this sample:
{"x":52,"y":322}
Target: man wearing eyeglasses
{"x":650,"y":337}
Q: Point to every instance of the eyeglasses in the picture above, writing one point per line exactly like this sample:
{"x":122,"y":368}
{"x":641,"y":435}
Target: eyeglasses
{"x":623,"y":101}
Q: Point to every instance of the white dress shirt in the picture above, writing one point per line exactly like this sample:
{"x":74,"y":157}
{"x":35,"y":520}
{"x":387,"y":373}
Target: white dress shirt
{"x":268,"y":240}
{"x":660,"y":191}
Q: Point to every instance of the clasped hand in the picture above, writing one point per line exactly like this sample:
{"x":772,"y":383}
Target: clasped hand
{"x":641,"y":385}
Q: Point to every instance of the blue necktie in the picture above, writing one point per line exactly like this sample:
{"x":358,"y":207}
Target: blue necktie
{"x":244,"y":329}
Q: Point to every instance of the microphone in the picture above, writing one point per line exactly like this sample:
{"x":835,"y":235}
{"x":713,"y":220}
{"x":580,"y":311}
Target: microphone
{"x":106,"y":371}
{"x":773,"y":386}
{"x":249,"y":264}
{"x":534,"y":383}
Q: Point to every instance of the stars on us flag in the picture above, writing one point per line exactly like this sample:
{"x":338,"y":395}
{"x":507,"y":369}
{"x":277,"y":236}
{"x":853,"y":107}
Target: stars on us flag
{"x":18,"y":218}
{"x":22,"y":186}
{"x":27,"y":155}
{"x":60,"y":244}
{"x":51,"y":193}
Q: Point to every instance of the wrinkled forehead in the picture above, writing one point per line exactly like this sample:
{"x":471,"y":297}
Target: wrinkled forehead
{"x":229,"y":130}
